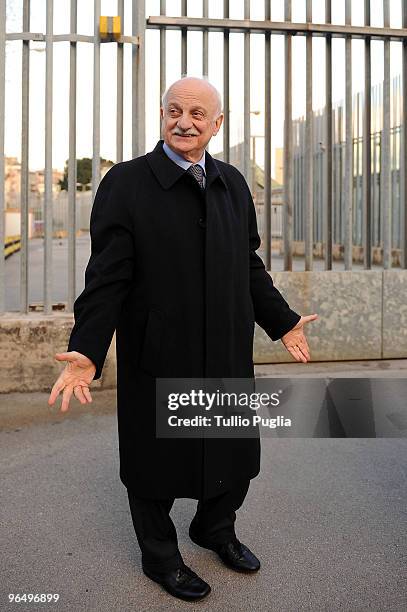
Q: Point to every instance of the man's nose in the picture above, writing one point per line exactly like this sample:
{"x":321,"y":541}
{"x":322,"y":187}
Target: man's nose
{"x":184,"y":122}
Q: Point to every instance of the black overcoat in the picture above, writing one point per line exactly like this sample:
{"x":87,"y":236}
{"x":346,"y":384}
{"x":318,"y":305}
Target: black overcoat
{"x":174,"y":270}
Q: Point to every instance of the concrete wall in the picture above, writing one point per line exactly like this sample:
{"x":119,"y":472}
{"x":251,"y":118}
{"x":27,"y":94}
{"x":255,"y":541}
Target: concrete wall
{"x":362,"y":315}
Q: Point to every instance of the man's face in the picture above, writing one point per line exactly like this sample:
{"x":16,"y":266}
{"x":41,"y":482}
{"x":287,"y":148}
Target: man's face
{"x":189,"y":119}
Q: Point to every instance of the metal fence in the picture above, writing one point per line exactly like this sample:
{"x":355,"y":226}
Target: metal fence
{"x":342,"y":192}
{"x":377,"y":206}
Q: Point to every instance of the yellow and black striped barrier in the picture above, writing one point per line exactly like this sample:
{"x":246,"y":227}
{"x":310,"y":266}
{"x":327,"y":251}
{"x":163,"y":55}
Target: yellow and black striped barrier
{"x":11,"y":245}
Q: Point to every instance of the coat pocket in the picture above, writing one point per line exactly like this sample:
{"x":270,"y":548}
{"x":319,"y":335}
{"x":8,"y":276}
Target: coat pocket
{"x":150,"y":356}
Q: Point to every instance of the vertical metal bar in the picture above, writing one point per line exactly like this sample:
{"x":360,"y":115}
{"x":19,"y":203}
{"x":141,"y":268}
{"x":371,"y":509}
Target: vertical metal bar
{"x":315,"y":182}
{"x":380,"y":155}
{"x":246,"y":98}
{"x":374,"y":199}
{"x":339,"y":186}
{"x":296,"y":125}
{"x":119,"y":86}
{"x":348,"y":187}
{"x":205,"y":69}
{"x":300,"y":231}
{"x":184,"y":40}
{"x":297,"y":205}
{"x":288,"y":145}
{"x":138,"y":79}
{"x":226,"y":98}
{"x":357,"y":167}
{"x":340,"y":176}
{"x":267,"y":140}
{"x":2,"y":165}
{"x":328,"y":131}
{"x":367,"y":150}
{"x":309,"y":153}
{"x":385,"y":171}
{"x":24,"y":161}
{"x":320,"y":178}
{"x":48,"y":196}
{"x":393,"y":165}
{"x":323,"y":175}
{"x":163,"y":50}
{"x":398,"y":169}
{"x":72,"y":173}
{"x":96,"y":100}
{"x":403,"y":136}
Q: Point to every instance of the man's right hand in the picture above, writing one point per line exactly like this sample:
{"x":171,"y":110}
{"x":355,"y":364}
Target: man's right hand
{"x":75,"y":378}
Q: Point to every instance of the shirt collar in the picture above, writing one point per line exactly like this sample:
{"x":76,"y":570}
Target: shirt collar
{"x":168,"y":172}
{"x":181,"y":161}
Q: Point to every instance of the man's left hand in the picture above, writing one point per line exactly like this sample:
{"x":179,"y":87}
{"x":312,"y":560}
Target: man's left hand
{"x":295,"y":341}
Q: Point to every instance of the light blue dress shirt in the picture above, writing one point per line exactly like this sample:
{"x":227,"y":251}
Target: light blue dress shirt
{"x":184,"y":163}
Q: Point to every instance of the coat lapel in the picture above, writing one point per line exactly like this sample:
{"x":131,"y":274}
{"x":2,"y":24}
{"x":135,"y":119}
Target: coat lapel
{"x":168,"y":172}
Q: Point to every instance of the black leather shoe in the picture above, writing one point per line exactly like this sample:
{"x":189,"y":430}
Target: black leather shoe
{"x":233,"y":553}
{"x":237,"y":556}
{"x":181,"y":582}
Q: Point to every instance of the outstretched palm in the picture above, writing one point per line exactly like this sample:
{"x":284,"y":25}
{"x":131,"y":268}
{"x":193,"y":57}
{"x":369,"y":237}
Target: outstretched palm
{"x":295,"y":341}
{"x":75,"y":378}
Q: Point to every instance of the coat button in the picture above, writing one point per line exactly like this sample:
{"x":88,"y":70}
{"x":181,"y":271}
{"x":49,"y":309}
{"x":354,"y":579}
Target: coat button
{"x":202,"y":223}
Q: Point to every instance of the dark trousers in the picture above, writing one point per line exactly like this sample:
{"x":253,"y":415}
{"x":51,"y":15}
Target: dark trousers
{"x":156,"y":534}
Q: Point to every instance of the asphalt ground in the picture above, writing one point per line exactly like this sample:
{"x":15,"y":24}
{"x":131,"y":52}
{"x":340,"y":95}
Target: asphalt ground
{"x":326,"y":517}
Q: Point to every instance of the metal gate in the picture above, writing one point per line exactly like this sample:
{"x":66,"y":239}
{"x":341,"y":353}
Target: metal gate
{"x":342,"y":191}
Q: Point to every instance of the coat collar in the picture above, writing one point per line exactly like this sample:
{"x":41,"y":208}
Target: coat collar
{"x":168,"y":172}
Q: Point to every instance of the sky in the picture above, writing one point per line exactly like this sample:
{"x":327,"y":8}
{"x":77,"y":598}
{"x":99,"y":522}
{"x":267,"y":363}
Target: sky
{"x":108,"y":73}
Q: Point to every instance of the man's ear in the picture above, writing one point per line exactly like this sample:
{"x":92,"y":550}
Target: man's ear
{"x":218,"y":123}
{"x":161,"y":112}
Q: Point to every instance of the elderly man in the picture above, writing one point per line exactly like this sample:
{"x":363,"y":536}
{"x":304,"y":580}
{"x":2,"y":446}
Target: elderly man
{"x":174,"y":270}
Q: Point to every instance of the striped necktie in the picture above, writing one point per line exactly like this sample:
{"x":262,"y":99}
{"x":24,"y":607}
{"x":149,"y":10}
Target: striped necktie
{"x":197,"y":172}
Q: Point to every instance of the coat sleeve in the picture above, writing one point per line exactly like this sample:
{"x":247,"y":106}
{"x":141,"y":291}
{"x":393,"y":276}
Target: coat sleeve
{"x":108,"y":274}
{"x":271,"y":311}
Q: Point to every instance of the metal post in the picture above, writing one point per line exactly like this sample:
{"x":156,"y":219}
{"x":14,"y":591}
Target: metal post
{"x":96,"y":101}
{"x":374,"y":198}
{"x":367,"y":151}
{"x":24,"y":161}
{"x":48,"y":195}
{"x":385,"y":170}
{"x":340,"y":215}
{"x":119,"y":87}
{"x":184,"y":39}
{"x":348,"y":187}
{"x":267,"y":140}
{"x":205,"y":70}
{"x":288,"y":145}
{"x":72,"y":172}
{"x":163,"y":52}
{"x":246,"y":97}
{"x":393,"y":177}
{"x":309,"y":153}
{"x":357,"y":165}
{"x":403,"y":160}
{"x":138,"y":79}
{"x":226,"y":100}
{"x":2,"y":165}
{"x":328,"y":131}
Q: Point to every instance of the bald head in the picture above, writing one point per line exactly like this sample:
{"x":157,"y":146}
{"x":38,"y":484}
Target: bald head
{"x":198,"y":86}
{"x":191,"y":113}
